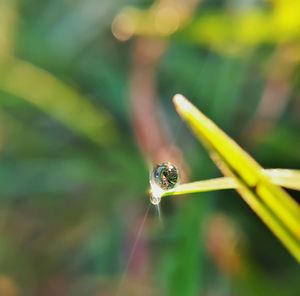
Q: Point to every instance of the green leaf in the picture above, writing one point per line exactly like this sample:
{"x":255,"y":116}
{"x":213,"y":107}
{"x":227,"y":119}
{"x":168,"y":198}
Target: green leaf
{"x":59,"y":100}
{"x":283,"y":177}
{"x":269,"y":201}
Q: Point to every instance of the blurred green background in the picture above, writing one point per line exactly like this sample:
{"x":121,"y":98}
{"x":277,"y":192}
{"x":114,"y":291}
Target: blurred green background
{"x":85,"y":110}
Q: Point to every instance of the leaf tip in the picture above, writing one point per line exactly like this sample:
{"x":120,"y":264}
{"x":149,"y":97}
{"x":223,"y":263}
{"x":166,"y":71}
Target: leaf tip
{"x":178,"y":99}
{"x":182,"y":104}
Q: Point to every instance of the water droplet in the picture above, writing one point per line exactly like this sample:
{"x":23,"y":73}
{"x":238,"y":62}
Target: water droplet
{"x":165,"y":175}
{"x":155,"y":200}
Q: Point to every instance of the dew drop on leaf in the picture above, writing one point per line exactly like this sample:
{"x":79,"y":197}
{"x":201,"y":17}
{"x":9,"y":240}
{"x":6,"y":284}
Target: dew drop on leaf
{"x":165,"y":175}
{"x":155,"y":199}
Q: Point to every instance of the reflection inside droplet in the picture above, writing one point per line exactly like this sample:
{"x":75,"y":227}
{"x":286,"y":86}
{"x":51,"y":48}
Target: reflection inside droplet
{"x":163,"y":177}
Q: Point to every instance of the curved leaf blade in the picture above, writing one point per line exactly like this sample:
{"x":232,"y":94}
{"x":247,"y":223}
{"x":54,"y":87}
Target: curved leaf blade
{"x":269,"y":201}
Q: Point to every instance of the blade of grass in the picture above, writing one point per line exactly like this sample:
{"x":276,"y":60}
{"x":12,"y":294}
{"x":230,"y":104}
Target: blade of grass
{"x":56,"y":98}
{"x":283,"y":177}
{"x":269,"y":201}
{"x":202,"y":186}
